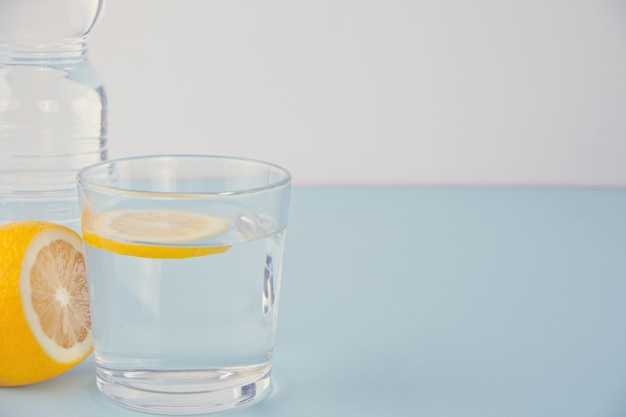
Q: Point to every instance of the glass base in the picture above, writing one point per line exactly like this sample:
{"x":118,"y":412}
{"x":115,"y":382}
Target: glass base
{"x":185,"y":391}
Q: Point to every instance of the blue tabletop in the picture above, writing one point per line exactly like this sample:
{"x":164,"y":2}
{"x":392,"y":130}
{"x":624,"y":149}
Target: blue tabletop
{"x":432,"y":302}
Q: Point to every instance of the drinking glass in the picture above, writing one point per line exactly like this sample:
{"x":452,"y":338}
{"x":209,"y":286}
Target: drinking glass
{"x":184,"y":262}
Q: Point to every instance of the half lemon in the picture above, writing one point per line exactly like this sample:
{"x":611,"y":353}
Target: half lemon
{"x":45,"y":320}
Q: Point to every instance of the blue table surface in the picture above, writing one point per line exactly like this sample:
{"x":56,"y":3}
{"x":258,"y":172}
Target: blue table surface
{"x":432,"y":302}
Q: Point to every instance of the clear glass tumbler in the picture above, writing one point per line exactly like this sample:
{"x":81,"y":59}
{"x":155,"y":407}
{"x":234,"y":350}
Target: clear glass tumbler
{"x":184,"y":260}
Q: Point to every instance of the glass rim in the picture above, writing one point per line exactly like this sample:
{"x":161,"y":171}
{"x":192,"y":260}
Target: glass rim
{"x":90,"y":184}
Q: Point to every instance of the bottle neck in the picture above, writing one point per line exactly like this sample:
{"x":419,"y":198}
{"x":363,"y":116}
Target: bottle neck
{"x":29,"y":52}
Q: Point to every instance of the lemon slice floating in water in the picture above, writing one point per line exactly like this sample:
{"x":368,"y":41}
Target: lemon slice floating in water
{"x":154,"y":233}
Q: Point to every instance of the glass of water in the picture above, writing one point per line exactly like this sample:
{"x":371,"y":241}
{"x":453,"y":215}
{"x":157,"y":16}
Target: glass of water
{"x":184,"y":260}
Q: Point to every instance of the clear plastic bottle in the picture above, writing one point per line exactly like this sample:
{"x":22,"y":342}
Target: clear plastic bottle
{"x":53,"y":108}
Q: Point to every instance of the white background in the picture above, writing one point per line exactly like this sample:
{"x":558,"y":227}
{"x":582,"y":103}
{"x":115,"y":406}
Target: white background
{"x":374,"y":91}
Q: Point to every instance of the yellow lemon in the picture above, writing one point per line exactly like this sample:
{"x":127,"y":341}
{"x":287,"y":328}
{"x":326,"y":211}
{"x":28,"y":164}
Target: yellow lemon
{"x":154,"y":233}
{"x":45,"y":323}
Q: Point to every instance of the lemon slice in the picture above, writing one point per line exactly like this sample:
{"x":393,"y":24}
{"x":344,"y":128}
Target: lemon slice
{"x":119,"y":231}
{"x":44,"y":314}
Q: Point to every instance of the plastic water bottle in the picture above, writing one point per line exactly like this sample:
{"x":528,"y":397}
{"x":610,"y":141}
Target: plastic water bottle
{"x":53,"y":109}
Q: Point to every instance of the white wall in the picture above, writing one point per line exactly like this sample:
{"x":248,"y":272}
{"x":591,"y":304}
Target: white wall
{"x":374,"y":91}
